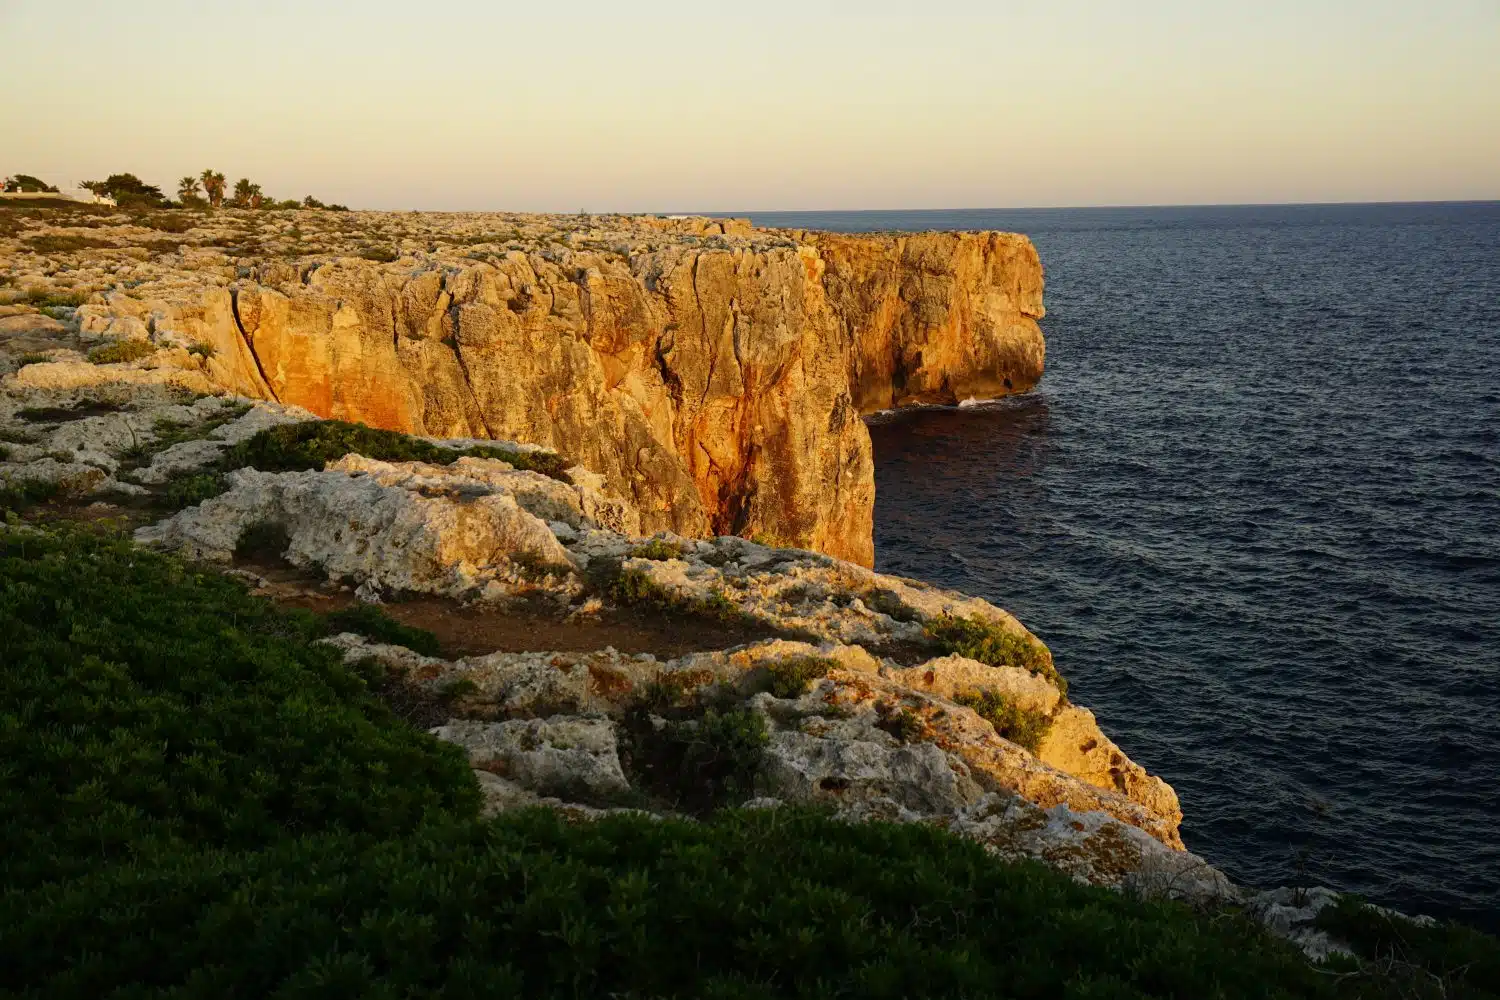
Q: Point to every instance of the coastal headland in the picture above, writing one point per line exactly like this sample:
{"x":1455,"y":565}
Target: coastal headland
{"x":588,"y":498}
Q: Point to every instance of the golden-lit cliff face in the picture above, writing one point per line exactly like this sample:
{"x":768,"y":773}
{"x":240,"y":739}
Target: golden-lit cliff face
{"x":713,"y":373}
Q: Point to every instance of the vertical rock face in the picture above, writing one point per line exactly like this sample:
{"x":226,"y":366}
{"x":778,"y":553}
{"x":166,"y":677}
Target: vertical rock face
{"x":717,"y":383}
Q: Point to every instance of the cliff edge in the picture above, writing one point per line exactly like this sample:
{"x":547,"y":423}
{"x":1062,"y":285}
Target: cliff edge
{"x":713,"y":373}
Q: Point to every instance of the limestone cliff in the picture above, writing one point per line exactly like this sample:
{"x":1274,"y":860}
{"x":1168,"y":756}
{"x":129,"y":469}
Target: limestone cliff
{"x":713,"y":373}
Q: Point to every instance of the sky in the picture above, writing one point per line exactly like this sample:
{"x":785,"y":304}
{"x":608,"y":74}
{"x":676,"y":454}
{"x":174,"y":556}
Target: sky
{"x":659,"y":105}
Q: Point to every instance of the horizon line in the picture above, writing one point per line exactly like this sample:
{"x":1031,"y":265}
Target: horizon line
{"x":1055,"y":208}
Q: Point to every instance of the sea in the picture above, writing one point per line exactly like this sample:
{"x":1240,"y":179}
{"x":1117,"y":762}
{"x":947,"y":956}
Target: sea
{"x":1254,"y":509}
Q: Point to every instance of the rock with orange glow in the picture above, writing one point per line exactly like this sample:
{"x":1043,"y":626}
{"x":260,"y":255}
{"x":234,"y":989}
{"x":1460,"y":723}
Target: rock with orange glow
{"x":714,"y":374}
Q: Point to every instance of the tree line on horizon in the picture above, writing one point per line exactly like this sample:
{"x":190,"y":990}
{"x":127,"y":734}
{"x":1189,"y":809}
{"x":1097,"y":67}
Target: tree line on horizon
{"x":204,"y":191}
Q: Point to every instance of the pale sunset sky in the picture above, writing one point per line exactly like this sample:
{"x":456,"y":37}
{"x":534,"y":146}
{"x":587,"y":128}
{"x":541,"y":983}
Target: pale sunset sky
{"x":662,"y":105}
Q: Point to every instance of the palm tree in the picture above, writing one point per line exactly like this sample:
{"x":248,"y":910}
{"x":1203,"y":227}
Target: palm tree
{"x":187,"y":189}
{"x":213,"y":186}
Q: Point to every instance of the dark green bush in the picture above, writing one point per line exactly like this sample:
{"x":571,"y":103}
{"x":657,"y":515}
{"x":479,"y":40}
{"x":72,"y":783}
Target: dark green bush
{"x":373,"y":623}
{"x":1021,"y":726}
{"x":1406,"y":959}
{"x":992,"y":643}
{"x":192,"y":489}
{"x":311,"y":445}
{"x":265,"y":540}
{"x":20,"y":494}
{"x":122,"y":351}
{"x":32,"y":359}
{"x":700,"y":763}
{"x":146,"y":706}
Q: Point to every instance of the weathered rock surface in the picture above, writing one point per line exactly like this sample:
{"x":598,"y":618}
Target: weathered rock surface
{"x":712,"y":373}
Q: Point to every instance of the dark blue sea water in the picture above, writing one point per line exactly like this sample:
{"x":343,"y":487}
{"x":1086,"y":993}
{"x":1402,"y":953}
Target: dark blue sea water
{"x":1254,"y":509}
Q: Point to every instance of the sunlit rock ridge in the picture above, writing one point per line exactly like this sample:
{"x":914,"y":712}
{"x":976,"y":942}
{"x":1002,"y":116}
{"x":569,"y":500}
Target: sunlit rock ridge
{"x":715,"y":374}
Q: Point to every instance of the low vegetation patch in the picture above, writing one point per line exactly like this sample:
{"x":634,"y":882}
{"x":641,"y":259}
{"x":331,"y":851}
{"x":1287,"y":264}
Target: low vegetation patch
{"x":44,"y":298}
{"x":902,"y":723}
{"x":122,"y":351}
{"x":636,"y":588}
{"x":199,"y":800}
{"x":32,"y":359}
{"x":19,"y":495}
{"x":1405,"y":959}
{"x":165,"y":433}
{"x":791,"y":677}
{"x":658,"y":549}
{"x":992,"y":643}
{"x":1023,"y":727}
{"x":311,"y":445}
{"x":66,"y":244}
{"x":705,"y":761}
{"x":62,"y":414}
{"x":193,"y":488}
{"x":375,"y":624}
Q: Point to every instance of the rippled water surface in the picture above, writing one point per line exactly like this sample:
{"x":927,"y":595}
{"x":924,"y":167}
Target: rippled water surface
{"x":1254,"y":509}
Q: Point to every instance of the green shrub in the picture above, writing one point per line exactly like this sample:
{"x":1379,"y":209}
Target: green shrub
{"x":145,"y":705}
{"x":16,"y":437}
{"x":790,"y":677}
{"x":193,"y":488}
{"x":313,"y":444}
{"x":992,"y":643}
{"x":1021,"y":726}
{"x":373,"y":623}
{"x":384,"y":255}
{"x":636,"y":588}
{"x":4,"y":453}
{"x":699,"y":763}
{"x":32,"y":359}
{"x":121,"y":351}
{"x":1406,"y":959}
{"x":658,"y":549}
{"x":21,"y":494}
{"x":262,"y":540}
{"x":203,"y":350}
